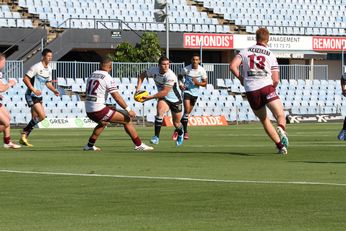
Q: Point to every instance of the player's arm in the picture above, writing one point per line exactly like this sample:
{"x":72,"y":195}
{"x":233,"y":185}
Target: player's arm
{"x":181,"y":82}
{"x":275,"y":78}
{"x":234,"y":67}
{"x":27,"y":82}
{"x":140,"y":80}
{"x":5,"y":87}
{"x":52,"y":88}
{"x":343,"y":86}
{"x":203,"y":82}
{"x":121,"y":102}
{"x":161,"y":94}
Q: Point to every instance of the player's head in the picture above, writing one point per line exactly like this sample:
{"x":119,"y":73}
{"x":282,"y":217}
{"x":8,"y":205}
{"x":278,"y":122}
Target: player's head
{"x":164,"y":64}
{"x":195,"y":61}
{"x":47,"y":55}
{"x":262,"y":36}
{"x":2,"y":61}
{"x":106,"y":64}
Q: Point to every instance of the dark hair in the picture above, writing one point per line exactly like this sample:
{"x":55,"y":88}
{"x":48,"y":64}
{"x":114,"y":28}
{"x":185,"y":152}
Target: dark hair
{"x":104,"y":61}
{"x":46,"y":51}
{"x":163,"y":58}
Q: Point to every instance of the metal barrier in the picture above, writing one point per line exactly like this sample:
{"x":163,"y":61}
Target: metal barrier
{"x":13,"y":69}
{"x":82,"y":70}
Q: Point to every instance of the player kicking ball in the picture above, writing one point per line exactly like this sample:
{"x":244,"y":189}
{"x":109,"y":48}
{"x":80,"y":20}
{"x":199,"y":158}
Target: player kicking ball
{"x":260,"y":76}
{"x":99,"y":84}
{"x":342,"y":134}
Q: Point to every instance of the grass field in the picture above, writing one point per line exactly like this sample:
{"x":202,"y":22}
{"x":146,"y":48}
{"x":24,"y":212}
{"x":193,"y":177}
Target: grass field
{"x":224,"y":178}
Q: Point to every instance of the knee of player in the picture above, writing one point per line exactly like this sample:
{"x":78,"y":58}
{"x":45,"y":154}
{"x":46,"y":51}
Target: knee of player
{"x":42,"y":117}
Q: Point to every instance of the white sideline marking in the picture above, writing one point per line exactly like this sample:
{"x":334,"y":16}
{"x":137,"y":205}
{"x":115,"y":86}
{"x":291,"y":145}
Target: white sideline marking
{"x":173,"y":178}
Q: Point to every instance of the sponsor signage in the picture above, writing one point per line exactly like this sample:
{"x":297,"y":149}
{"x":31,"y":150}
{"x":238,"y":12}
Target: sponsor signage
{"x":314,"y":118}
{"x":208,"y":41}
{"x":276,"y":43}
{"x":67,"y":123}
{"x":328,"y":43}
{"x":199,"y":121}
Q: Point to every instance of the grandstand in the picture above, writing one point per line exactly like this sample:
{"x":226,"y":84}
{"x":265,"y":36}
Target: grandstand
{"x":65,"y":26}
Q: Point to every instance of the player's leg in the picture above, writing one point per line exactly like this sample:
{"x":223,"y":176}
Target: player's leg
{"x":176,"y":117}
{"x":185,"y":118}
{"x":162,"y":107}
{"x":90,"y":146}
{"x":5,"y":128}
{"x":276,"y":108}
{"x":342,"y":134}
{"x":269,"y":128}
{"x":123,"y":118}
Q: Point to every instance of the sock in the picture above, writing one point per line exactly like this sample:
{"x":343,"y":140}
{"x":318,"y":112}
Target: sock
{"x":282,"y":126}
{"x":30,"y":126}
{"x":137,"y":141}
{"x":180,"y":130}
{"x":279,"y":145}
{"x":7,"y":140}
{"x":91,"y":142}
{"x":158,"y":124}
{"x":344,"y":127}
{"x":184,"y":120}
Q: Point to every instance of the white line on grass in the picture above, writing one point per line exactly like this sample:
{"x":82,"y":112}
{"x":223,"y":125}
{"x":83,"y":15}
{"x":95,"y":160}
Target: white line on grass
{"x":173,"y":178}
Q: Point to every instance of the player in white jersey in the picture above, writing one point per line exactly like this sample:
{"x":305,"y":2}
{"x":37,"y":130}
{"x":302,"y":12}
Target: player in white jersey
{"x":342,"y":134}
{"x":4,"y":114}
{"x":195,"y":77}
{"x":260,"y":76}
{"x":168,"y":97}
{"x":38,"y":76}
{"x":99,"y":85}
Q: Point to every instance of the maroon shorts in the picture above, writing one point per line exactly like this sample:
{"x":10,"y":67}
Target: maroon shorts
{"x":104,"y":115}
{"x":259,"y":98}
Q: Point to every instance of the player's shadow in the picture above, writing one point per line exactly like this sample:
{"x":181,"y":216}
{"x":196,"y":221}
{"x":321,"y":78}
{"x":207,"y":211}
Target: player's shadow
{"x":213,"y":152}
{"x":321,"y":162}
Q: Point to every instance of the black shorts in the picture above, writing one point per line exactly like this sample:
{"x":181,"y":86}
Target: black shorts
{"x":193,"y":99}
{"x":32,"y":100}
{"x":174,"y":107}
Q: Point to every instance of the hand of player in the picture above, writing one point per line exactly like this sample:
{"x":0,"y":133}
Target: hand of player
{"x":132,"y":114}
{"x":12,"y":82}
{"x":37,"y":92}
{"x":182,"y":87}
{"x":146,"y":98}
{"x":56,"y":93}
{"x":195,"y":81}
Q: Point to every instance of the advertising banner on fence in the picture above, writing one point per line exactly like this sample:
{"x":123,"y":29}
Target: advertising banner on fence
{"x":67,"y":123}
{"x":278,"y":43}
{"x":199,"y":121}
{"x":314,"y":118}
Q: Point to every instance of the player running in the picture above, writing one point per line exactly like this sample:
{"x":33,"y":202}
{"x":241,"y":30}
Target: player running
{"x":36,"y":78}
{"x":168,"y":97}
{"x":260,"y":76}
{"x":195,"y":77}
{"x":4,"y":114}
{"x":342,"y":134}
{"x":99,"y":84}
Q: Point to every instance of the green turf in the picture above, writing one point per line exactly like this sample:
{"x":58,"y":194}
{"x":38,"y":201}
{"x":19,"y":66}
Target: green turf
{"x":243,"y":152}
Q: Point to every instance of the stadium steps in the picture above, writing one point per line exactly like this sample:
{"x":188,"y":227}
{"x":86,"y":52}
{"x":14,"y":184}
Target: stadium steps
{"x":222,"y":21}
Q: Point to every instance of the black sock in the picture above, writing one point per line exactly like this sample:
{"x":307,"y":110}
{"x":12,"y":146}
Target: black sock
{"x":180,"y":130}
{"x":184,"y":120}
{"x":158,"y":124}
{"x":344,"y":127}
{"x":30,"y":126}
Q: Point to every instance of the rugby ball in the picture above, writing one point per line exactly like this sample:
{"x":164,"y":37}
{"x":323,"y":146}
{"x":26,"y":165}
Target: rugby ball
{"x":139,"y":96}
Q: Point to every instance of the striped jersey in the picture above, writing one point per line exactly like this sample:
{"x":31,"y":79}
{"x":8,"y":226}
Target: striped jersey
{"x":39,"y":75}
